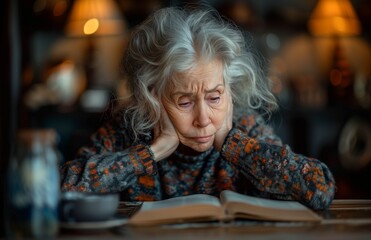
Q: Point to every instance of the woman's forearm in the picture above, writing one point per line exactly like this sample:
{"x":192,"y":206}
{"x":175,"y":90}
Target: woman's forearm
{"x":107,"y":172}
{"x":278,"y":172}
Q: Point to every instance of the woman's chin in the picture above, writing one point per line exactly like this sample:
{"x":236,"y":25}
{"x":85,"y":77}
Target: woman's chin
{"x":199,"y":147}
{"x":202,"y":148}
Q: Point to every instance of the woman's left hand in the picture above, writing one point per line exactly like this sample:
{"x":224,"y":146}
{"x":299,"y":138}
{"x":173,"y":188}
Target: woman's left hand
{"x":166,"y":139}
{"x":222,"y":133}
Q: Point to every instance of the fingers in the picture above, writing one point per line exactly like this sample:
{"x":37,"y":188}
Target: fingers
{"x":229,"y":115}
{"x":157,"y":127}
{"x":166,"y":139}
{"x":227,"y":124}
{"x":165,"y":122}
{"x":156,"y":131}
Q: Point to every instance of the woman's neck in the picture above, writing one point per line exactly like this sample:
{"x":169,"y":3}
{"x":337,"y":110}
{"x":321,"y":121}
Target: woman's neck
{"x":185,"y":150}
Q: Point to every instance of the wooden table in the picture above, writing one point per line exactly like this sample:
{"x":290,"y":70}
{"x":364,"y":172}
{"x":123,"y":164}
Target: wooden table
{"x":345,"y":219}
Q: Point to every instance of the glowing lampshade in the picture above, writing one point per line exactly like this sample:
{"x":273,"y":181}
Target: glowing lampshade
{"x":98,"y":17}
{"x":334,"y":18}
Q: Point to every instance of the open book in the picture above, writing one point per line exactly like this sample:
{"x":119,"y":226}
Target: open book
{"x":230,"y":206}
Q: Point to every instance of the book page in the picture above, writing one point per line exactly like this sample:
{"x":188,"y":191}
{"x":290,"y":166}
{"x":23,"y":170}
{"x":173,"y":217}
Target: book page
{"x":181,"y":201}
{"x":198,"y":207}
{"x":229,"y":196}
{"x":243,"y":206}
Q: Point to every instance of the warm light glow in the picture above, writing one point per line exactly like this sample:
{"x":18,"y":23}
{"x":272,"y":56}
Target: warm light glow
{"x":91,"y":26}
{"x":334,"y":18}
{"x":98,"y":17}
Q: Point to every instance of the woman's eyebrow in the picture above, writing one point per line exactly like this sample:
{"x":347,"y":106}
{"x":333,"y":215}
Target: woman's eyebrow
{"x":215,"y":88}
{"x":190,"y":93}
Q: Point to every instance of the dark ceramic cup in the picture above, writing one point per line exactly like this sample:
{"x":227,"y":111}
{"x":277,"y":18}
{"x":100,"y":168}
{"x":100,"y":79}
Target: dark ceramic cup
{"x":88,"y":207}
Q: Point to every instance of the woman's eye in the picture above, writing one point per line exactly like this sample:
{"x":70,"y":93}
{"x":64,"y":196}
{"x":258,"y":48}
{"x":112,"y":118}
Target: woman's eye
{"x":184,"y":104}
{"x":214,"y":99}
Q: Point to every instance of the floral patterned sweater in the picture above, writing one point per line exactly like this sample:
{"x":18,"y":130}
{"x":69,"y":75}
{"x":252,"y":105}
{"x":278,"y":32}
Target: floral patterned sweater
{"x":252,"y":161}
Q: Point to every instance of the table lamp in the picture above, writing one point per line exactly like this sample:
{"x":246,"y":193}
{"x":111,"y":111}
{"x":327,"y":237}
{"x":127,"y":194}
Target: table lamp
{"x":336,"y":19}
{"x":93,"y":19}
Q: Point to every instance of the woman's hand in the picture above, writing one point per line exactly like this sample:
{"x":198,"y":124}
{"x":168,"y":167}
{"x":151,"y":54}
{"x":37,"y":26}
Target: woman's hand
{"x":222,"y":133}
{"x":166,"y":139}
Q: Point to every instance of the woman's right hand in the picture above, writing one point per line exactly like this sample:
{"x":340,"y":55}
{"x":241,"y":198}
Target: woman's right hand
{"x":166,"y":139}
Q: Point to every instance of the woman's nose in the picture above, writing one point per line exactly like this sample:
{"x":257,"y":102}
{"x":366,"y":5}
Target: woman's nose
{"x":202,"y":116}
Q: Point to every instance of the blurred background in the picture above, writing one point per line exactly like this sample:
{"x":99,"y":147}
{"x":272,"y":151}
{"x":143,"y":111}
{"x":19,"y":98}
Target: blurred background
{"x":60,"y":69}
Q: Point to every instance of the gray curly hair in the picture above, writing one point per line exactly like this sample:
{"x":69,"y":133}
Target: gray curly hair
{"x":172,"y":40}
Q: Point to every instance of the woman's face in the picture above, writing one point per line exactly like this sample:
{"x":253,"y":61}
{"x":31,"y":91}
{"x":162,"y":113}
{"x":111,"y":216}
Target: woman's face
{"x":197,"y":104}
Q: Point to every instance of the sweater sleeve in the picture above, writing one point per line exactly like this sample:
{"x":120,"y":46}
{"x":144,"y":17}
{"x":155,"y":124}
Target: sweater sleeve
{"x":276,"y":171}
{"x":108,"y":166}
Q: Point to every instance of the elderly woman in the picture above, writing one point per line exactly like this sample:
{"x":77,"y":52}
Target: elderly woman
{"x":191,"y":123}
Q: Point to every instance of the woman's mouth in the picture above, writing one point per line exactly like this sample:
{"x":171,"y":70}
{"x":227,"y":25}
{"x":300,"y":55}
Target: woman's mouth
{"x":202,"y":139}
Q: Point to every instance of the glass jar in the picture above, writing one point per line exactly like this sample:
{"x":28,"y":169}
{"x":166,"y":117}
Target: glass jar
{"x":34,"y":185}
